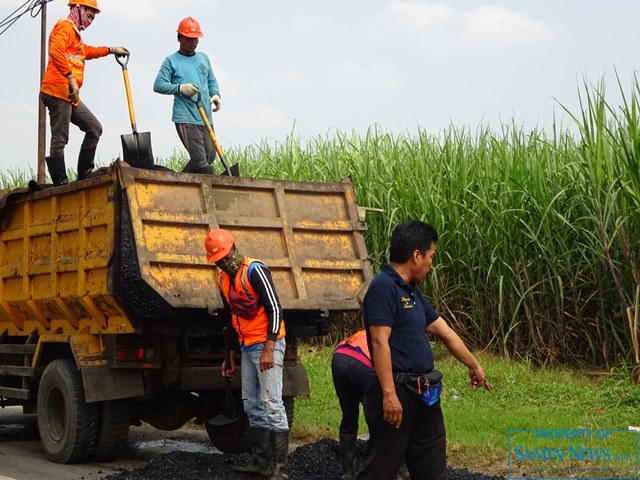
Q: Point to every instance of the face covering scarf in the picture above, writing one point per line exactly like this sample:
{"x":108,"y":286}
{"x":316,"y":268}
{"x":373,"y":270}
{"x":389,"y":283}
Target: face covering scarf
{"x":79,"y":17}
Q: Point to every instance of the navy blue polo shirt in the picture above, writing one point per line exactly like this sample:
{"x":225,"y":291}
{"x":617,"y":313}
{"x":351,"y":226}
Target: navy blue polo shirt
{"x":392,"y":303}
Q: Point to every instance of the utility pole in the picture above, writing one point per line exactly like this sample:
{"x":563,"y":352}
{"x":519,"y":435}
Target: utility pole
{"x":42,"y":114}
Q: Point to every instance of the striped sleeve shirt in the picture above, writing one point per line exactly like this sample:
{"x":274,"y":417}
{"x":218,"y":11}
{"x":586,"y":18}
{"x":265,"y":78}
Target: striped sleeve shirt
{"x":262,"y":283}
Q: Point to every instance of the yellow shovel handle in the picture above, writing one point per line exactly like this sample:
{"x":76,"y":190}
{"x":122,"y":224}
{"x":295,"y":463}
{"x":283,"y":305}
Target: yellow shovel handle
{"x":122,"y":61}
{"x":211,"y":134}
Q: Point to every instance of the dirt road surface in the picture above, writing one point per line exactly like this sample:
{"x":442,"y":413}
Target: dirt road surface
{"x":182,"y":454}
{"x":22,"y":456}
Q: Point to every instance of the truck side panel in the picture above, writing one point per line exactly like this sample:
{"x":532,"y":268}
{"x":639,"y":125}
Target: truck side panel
{"x":55,"y":261}
{"x":307,"y":233}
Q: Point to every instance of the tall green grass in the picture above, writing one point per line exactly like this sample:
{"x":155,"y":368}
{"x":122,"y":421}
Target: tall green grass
{"x":539,"y":251}
{"x":523,"y":397}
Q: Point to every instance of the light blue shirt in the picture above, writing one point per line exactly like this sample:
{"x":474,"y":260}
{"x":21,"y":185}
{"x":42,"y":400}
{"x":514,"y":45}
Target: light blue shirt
{"x":177,"y":69}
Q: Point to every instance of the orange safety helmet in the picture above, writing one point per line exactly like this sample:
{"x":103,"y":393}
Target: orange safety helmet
{"x":189,"y":27}
{"x":87,"y":3}
{"x":218,"y":244}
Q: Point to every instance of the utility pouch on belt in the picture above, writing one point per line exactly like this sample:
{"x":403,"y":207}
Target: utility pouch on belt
{"x":427,"y":386}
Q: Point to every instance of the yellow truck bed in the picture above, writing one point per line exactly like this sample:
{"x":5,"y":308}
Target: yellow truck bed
{"x":126,"y":249}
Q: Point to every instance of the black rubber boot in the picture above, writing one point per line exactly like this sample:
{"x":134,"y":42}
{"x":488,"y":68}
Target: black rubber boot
{"x":280,"y":441}
{"x":348,"y":444}
{"x":57,"y":170}
{"x":260,"y":461}
{"x":85,"y":162}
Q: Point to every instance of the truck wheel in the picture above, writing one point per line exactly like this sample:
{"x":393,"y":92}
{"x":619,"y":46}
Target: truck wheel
{"x":114,"y":418}
{"x":67,"y":424}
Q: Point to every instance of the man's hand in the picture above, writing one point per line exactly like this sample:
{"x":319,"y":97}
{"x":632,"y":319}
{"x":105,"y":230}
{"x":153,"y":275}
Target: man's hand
{"x":74,"y":91}
{"x":119,"y":51}
{"x":188,"y":89}
{"x":266,"y":359}
{"x":478,"y":379}
{"x":229,"y":371}
{"x":392,"y":409}
{"x":215,"y":101}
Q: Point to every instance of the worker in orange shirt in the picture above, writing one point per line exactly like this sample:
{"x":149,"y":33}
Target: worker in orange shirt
{"x":60,"y":89}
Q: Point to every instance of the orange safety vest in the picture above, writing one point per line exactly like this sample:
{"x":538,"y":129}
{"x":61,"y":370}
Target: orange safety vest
{"x":67,"y":54}
{"x":356,"y":346}
{"x":250,"y":330}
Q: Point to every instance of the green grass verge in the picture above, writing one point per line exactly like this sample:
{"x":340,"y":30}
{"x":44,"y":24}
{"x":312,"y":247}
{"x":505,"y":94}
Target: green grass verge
{"x":478,"y":422}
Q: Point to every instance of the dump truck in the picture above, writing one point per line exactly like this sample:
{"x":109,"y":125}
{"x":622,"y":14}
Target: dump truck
{"x":109,"y":311}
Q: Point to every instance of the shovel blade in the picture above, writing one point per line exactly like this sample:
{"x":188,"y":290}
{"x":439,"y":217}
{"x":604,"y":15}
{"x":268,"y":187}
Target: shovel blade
{"x":136,"y":149}
{"x":234,"y":170}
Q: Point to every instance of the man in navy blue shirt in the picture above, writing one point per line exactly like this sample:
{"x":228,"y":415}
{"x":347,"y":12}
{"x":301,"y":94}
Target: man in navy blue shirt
{"x":402,"y":405}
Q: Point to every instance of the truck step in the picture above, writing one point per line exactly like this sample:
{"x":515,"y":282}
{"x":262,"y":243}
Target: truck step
{"x":15,"y":393}
{"x":13,"y":370}
{"x":29,"y":349}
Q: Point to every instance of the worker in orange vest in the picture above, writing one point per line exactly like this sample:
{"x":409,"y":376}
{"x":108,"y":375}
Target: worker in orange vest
{"x":256,"y":315}
{"x":352,"y":371}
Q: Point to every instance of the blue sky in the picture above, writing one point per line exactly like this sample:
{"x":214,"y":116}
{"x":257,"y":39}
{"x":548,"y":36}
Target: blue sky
{"x":317,"y":67}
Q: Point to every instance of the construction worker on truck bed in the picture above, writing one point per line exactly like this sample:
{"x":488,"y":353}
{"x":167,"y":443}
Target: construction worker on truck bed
{"x":185,"y":74}
{"x":255,"y":313}
{"x":60,"y":89}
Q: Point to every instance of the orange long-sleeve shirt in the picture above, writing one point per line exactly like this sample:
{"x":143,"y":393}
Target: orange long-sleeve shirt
{"x":67,"y":54}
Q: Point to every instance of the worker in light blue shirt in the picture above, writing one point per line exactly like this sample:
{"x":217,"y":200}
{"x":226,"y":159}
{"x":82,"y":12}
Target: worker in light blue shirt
{"x":184,"y":74}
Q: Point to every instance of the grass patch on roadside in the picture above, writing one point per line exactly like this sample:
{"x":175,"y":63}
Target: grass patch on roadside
{"x":478,"y":422}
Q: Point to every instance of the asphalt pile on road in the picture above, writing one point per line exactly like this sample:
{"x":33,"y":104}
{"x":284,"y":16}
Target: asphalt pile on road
{"x":313,"y":461}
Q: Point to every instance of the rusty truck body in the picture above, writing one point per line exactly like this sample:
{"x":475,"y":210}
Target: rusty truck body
{"x":109,"y":312}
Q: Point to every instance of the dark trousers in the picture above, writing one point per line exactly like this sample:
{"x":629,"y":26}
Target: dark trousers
{"x":421,"y":438}
{"x":61,"y":114}
{"x":350,"y":379}
{"x":197,"y":141}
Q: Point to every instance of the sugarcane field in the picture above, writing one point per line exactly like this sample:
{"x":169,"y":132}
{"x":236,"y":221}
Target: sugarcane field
{"x":381,"y":240}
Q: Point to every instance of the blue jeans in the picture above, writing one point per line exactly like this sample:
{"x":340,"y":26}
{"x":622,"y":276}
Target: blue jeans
{"x":262,"y":391}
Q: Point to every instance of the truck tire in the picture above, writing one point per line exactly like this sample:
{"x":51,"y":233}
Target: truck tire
{"x":67,"y":424}
{"x":114,"y":418}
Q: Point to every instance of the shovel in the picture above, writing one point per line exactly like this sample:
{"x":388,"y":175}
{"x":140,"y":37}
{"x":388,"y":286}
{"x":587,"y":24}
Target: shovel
{"x":232,"y":171}
{"x":136,"y":146}
{"x":229,"y":415}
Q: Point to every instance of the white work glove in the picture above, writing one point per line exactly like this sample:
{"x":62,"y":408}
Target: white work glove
{"x":215,"y":101}
{"x":188,"y":89}
{"x":74,"y":91}
{"x":119,"y":51}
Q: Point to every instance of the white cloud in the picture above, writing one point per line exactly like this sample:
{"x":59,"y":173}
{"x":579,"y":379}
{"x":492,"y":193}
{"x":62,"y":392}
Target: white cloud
{"x":441,"y":29}
{"x":491,"y":24}
{"x":147,"y":10}
{"x":419,"y":15}
{"x":311,"y":24}
{"x":286,"y":78}
{"x":263,"y":118}
{"x":351,"y":75}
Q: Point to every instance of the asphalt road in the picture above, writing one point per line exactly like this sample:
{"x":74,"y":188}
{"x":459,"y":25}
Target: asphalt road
{"x":22,"y":456}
